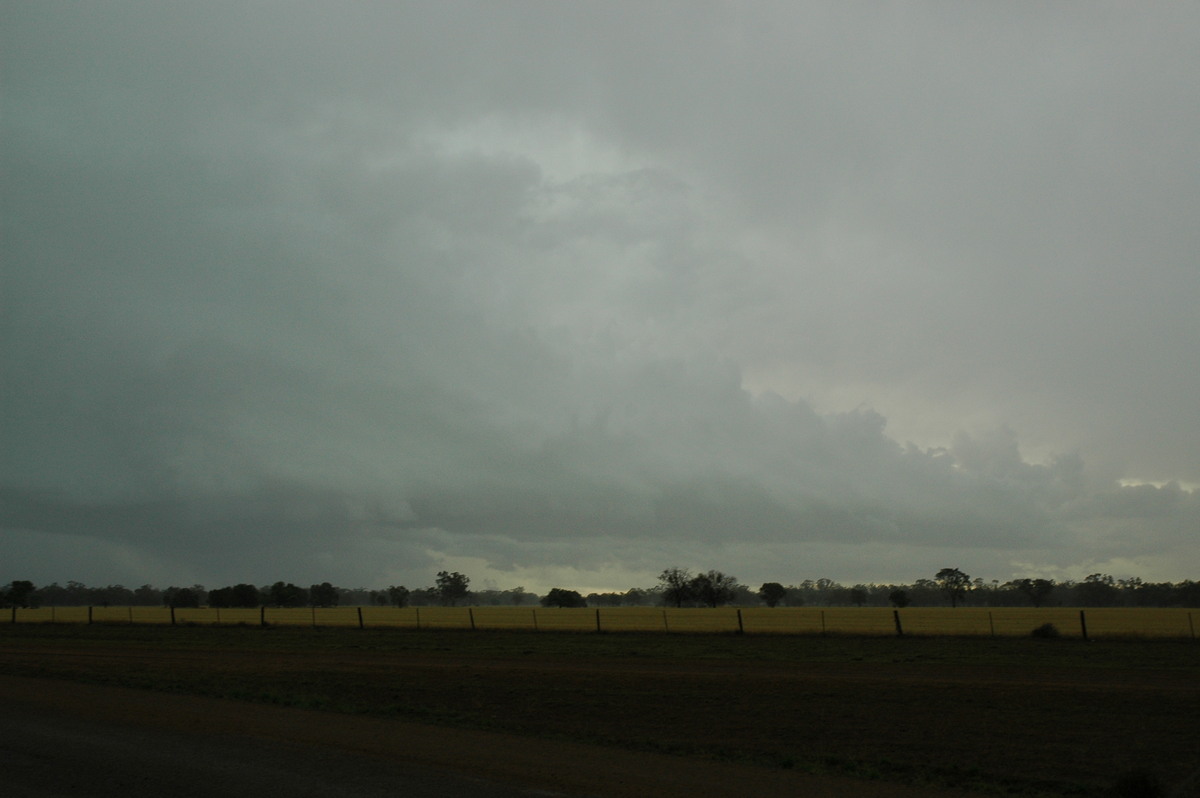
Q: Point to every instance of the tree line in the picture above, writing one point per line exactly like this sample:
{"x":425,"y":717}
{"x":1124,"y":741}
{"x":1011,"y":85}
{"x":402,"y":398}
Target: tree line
{"x":676,"y":587}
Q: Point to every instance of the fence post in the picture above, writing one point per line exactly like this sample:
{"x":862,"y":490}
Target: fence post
{"x":666,"y":626}
{"x":822,"y":623}
{"x":991,"y":623}
{"x":471,"y":615}
{"x":360,"y":623}
{"x":598,"y":629}
{"x":741,"y":628}
{"x":534,"y":611}
{"x":262,"y":615}
{"x":1191,"y":624}
{"x":14,"y":614}
{"x":172,"y":614}
{"x":89,"y":615}
{"x":1083,"y":625}
{"x":418,"y":609}
{"x":899,"y":628}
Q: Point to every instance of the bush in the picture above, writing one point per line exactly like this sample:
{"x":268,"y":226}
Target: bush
{"x":1046,"y":631}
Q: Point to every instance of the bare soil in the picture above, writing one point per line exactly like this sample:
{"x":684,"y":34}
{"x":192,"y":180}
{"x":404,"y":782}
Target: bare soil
{"x":636,"y":716}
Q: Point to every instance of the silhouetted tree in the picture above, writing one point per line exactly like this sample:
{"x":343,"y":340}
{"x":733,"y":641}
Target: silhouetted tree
{"x":559,"y":597}
{"x":772,"y":593}
{"x":181,"y":597}
{"x":19,"y":593}
{"x":1037,"y":590}
{"x":451,"y":587}
{"x":283,"y":594}
{"x":147,"y":596}
{"x":323,"y":595}
{"x":954,"y":583}
{"x":898,"y":598}
{"x":858,"y":595}
{"x":676,"y":586}
{"x":1096,"y":590}
{"x":518,"y":596}
{"x":713,"y":588}
{"x":395,"y":596}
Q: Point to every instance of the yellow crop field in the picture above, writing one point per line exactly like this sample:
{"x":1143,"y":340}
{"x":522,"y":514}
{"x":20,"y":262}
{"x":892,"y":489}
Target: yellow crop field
{"x":931,"y":621}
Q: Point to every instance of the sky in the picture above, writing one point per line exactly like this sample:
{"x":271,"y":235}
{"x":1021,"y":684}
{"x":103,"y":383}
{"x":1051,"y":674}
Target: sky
{"x":564,"y":294}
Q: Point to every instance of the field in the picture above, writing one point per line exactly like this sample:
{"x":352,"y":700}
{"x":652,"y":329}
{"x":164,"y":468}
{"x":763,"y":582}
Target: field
{"x":968,"y":621}
{"x":1014,"y":716}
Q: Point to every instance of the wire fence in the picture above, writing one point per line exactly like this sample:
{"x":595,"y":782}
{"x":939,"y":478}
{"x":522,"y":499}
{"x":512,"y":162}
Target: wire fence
{"x":927,"y":621}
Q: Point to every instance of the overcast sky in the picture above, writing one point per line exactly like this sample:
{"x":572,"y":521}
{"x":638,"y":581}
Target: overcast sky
{"x":562,"y":294}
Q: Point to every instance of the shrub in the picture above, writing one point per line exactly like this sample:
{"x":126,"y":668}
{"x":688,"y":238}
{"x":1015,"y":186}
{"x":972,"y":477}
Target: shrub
{"x":1046,"y":631}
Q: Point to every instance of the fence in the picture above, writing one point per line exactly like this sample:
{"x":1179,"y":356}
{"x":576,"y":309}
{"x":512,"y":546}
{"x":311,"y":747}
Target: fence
{"x":929,"y":621}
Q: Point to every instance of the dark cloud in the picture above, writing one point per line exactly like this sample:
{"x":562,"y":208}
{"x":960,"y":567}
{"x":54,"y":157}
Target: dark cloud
{"x":578,"y":293}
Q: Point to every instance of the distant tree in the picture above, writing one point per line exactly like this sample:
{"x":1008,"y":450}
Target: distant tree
{"x":283,"y":594}
{"x":1186,"y":594}
{"x":181,"y":597}
{"x":560,"y":597}
{"x":954,"y":583}
{"x":397,"y":596}
{"x":19,"y":593}
{"x":1037,"y":590}
{"x":518,"y":595}
{"x":147,"y":596}
{"x":772,"y":593}
{"x":323,"y":595}
{"x":1096,"y":590}
{"x":898,"y":598}
{"x":245,"y":595}
{"x":451,"y":587}
{"x":858,"y":595}
{"x":220,"y":597}
{"x":713,"y":588}
{"x":636,"y":597}
{"x":676,"y":586}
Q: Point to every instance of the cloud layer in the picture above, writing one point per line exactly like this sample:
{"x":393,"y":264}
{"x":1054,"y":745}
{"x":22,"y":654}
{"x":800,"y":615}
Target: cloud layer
{"x":570,"y":294}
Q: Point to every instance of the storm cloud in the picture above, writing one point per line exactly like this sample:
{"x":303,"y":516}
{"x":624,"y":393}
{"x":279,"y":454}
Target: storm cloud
{"x":564,"y":294}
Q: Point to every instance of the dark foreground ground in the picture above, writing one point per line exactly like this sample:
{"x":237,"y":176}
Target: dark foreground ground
{"x":617,"y":715}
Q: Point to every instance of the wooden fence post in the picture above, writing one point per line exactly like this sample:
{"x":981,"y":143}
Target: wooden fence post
{"x":471,"y":616}
{"x":418,"y":609}
{"x":822,"y":623}
{"x":598,"y":629}
{"x":360,"y":623}
{"x":89,"y":615}
{"x":262,"y":615}
{"x":534,"y":611}
{"x":896,"y":618}
{"x":666,"y":626}
{"x":1083,"y":625}
{"x":991,"y":623}
{"x":172,"y":615}
{"x":741,"y":628}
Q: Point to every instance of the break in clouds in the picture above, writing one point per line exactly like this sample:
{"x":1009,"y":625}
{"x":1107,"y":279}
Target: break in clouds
{"x":564,"y":295}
